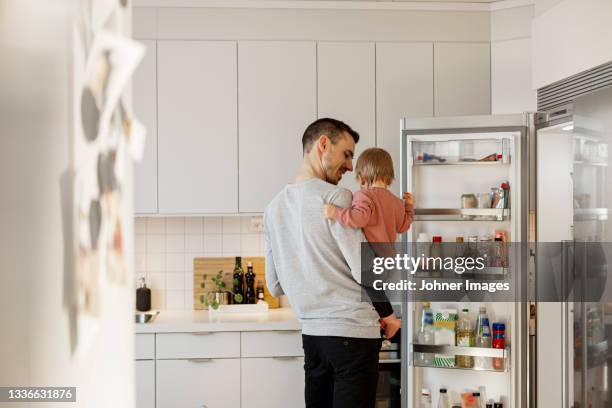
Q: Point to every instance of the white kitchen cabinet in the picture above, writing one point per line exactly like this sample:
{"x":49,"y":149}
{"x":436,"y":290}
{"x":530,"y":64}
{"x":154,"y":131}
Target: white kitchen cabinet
{"x":276,"y":382}
{"x":462,"y":79}
{"x":213,"y":383}
{"x":145,"y":109}
{"x":145,"y":384}
{"x":276,"y":343}
{"x":404,"y":88}
{"x":197,"y":135}
{"x":346,"y":91}
{"x":277,"y":87}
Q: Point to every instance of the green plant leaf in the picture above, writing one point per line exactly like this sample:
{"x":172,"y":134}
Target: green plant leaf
{"x":202,"y":285}
{"x":235,"y":282}
{"x":202,"y":299}
{"x":238,"y":298}
{"x":215,"y":305}
{"x":223,"y":285}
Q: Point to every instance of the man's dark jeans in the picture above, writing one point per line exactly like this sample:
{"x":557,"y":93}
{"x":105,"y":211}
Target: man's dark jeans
{"x":341,"y":372}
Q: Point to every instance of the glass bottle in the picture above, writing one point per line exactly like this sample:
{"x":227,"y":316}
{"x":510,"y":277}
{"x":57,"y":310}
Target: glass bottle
{"x":483,"y":338}
{"x":465,"y":338}
{"x":251,"y":298}
{"x":238,"y":280}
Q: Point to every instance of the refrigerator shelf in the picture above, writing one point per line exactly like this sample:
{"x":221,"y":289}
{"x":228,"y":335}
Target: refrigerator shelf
{"x":451,"y":162}
{"x":591,"y":214}
{"x":491,"y":272}
{"x":462,"y":351}
{"x":461,"y":214}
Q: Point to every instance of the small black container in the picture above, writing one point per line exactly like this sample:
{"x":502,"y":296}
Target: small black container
{"x":143,"y":297}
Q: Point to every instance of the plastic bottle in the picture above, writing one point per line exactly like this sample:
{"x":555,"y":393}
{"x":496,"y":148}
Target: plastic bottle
{"x":436,"y":252}
{"x":499,"y":342}
{"x":443,"y":401}
{"x":426,"y":334}
{"x":425,"y":398}
{"x":465,"y":338}
{"x":423,"y":247}
{"x":483,"y":338}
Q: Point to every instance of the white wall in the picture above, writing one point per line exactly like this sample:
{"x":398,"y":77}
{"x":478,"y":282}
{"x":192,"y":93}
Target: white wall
{"x":36,"y":327}
{"x":511,"y":84}
{"x":570,"y":37}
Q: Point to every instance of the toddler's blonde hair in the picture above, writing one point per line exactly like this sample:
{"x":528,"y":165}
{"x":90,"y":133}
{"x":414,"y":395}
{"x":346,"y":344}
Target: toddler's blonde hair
{"x":375,"y":164}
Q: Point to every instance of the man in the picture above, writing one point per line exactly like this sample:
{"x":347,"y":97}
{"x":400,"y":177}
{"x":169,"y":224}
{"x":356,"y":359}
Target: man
{"x":316,"y":263}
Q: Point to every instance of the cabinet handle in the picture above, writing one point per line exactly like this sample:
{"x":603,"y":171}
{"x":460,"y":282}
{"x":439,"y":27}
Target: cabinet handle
{"x":285,"y":358}
{"x":199,"y":360}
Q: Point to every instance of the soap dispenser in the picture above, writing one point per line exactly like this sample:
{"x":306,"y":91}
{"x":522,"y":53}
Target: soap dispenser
{"x":143,"y":297}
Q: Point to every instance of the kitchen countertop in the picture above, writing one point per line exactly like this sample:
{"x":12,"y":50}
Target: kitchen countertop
{"x":190,"y":321}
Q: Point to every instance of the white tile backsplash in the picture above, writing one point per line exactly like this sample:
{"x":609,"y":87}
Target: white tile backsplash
{"x":166,"y":246}
{"x":231,"y":225}
{"x":213,"y":225}
{"x":194,"y":225}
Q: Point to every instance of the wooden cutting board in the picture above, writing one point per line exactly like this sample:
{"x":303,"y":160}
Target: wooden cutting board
{"x":205,"y":268}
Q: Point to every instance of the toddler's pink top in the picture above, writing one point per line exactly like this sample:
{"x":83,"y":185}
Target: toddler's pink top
{"x":380,"y":213}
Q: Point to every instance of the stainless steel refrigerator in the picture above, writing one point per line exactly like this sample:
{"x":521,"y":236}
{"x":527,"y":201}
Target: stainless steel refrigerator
{"x":559,"y":326}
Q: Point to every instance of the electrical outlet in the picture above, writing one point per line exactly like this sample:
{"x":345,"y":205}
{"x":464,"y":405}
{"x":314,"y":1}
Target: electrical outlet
{"x":257,"y":224}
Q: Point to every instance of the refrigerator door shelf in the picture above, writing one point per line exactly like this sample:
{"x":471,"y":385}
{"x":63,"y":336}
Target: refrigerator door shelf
{"x":488,"y":273}
{"x":463,"y":351}
{"x":461,"y":214}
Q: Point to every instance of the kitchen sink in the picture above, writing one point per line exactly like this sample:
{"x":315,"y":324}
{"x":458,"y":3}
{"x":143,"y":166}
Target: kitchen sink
{"x":145,"y":317}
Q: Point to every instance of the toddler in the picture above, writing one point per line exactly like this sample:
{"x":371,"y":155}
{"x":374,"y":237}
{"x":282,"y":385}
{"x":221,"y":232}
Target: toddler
{"x":380,"y":213}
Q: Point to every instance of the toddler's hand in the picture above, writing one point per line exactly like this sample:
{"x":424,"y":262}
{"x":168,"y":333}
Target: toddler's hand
{"x":329,"y":210}
{"x":408,"y":200}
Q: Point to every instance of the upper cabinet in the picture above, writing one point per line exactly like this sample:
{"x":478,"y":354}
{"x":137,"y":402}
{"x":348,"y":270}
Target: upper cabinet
{"x":462,"y":79}
{"x":277,"y":88}
{"x":404,"y":88}
{"x":145,"y":108}
{"x":346,"y":88}
{"x":197,"y":134}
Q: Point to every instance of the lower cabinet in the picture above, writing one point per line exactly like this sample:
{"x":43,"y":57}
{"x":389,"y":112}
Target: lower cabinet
{"x":145,"y":384}
{"x":272,"y":382}
{"x":198,"y":383}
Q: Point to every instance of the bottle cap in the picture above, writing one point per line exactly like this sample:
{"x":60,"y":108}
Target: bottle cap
{"x":498,"y":326}
{"x":459,"y":240}
{"x":425,"y":391}
{"x":249,"y":263}
{"x":437,"y":238}
{"x":442,"y":390}
{"x":498,"y":405}
{"x":465,"y":310}
{"x":423,"y":237}
{"x":476,"y":394}
{"x":426,"y":304}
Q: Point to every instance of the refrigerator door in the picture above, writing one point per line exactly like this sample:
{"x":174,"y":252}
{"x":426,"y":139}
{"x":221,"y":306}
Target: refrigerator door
{"x":574,"y":236}
{"x":442,"y":159}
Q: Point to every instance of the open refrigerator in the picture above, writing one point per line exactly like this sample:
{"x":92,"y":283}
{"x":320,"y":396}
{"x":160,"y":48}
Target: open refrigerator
{"x":444,"y":160}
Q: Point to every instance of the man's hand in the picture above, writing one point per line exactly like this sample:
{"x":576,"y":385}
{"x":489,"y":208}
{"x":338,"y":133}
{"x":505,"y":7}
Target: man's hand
{"x":329,"y":210}
{"x":390,"y":325}
{"x":408,"y":200}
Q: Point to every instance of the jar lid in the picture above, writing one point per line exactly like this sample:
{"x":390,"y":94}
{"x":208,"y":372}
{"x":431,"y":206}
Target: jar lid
{"x":499,"y":326}
{"x":437,"y":238}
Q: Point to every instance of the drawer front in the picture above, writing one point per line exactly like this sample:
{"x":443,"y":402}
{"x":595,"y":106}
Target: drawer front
{"x":145,"y":347}
{"x":272,"y":344}
{"x":198,"y":345}
{"x":277,"y":381}
{"x":211,"y":383}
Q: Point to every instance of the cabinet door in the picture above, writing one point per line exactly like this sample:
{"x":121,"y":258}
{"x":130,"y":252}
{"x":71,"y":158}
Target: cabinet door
{"x":145,"y":384}
{"x":404,"y":89}
{"x":213,"y":383}
{"x":346,"y":87}
{"x":462,"y":78}
{"x":272,"y":382}
{"x":145,"y":108}
{"x":198,"y":161}
{"x":277,"y":87}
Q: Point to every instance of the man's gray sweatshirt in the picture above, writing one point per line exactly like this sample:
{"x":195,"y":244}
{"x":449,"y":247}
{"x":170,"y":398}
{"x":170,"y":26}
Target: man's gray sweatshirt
{"x":316,"y":262}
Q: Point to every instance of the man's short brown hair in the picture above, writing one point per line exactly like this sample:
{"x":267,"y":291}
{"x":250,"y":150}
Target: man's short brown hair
{"x":333,"y":128}
{"x":375,"y":164}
